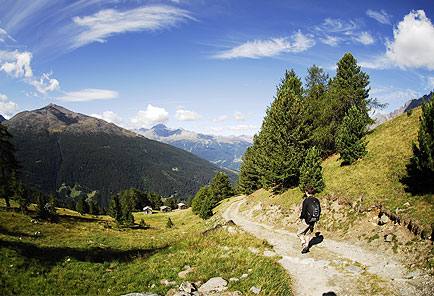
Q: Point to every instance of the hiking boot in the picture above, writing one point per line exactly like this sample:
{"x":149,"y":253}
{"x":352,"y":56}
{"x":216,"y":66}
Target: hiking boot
{"x":305,"y":250}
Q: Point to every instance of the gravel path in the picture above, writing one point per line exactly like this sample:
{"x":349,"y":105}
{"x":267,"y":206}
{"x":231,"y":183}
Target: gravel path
{"x":333,"y":266}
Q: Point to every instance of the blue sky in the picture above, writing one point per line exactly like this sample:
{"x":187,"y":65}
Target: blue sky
{"x":207,"y":66}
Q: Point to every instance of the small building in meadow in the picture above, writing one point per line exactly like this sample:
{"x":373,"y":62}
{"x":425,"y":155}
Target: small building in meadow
{"x":165,"y":209}
{"x":147,"y":210}
{"x":182,"y":206}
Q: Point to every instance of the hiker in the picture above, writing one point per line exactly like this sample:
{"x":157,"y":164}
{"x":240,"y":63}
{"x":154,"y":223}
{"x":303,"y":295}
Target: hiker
{"x":310,"y":213}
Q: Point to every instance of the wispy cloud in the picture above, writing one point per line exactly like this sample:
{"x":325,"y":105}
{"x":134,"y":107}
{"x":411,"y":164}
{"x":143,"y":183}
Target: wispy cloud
{"x":331,"y":25}
{"x":105,"y":23}
{"x":298,"y":42}
{"x":380,"y":16}
{"x":89,"y":94}
{"x":364,"y":38}
{"x":336,"y":31}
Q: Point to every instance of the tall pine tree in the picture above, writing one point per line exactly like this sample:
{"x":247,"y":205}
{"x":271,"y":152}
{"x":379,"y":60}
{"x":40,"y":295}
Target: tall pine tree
{"x":350,"y":139}
{"x":311,"y":171}
{"x":422,"y":162}
{"x":283,"y":137}
{"x":348,"y":88}
{"x":8,"y":163}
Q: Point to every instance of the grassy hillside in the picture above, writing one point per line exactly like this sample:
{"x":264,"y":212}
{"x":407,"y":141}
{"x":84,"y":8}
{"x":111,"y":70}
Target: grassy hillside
{"x":376,"y":180}
{"x":90,"y":255}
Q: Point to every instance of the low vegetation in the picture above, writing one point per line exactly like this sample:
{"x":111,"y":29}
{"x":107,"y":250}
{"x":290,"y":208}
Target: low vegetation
{"x":84,"y":254}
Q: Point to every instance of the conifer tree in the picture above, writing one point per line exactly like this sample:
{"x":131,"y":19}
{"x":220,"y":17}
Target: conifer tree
{"x":311,"y":171}
{"x":206,"y":208}
{"x":200,"y":196}
{"x":8,"y":163}
{"x":283,"y":136}
{"x":220,"y":188}
{"x":115,"y":208}
{"x":350,"y":140}
{"x":249,"y":178}
{"x":423,"y":152}
{"x":348,"y":88}
{"x":81,"y":206}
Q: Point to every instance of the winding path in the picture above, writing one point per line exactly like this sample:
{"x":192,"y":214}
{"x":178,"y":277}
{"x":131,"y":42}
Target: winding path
{"x":331,"y":266}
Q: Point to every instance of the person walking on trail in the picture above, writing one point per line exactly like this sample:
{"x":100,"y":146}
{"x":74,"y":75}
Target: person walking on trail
{"x":310,"y":212}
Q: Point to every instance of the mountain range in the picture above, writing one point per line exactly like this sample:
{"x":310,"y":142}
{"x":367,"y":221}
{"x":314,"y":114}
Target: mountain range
{"x":226,"y":152}
{"x":409,"y":105}
{"x":2,"y":118}
{"x":58,"y":147}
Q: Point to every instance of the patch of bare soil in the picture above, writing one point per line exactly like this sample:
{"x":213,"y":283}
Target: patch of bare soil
{"x":363,"y":264}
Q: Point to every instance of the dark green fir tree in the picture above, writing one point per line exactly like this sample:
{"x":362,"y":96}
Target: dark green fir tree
{"x":422,"y":161}
{"x":311,"y":171}
{"x":350,"y":139}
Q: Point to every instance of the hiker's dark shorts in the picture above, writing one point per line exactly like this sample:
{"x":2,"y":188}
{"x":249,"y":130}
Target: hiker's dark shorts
{"x":304,"y":228}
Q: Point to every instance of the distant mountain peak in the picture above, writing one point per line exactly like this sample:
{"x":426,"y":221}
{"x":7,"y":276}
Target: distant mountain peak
{"x":2,"y":118}
{"x":56,"y":118}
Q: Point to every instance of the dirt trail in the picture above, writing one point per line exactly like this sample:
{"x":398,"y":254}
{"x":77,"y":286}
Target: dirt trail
{"x":333,"y":266}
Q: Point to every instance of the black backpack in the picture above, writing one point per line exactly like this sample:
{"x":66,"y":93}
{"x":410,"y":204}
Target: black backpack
{"x":313,"y":211}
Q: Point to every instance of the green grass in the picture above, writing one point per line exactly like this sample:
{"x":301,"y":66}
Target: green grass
{"x":374,"y":180}
{"x":89,"y":255}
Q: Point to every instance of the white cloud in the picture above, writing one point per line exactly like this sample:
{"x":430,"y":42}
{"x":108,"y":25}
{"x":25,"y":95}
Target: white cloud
{"x":413,"y":43}
{"x":365,"y":38}
{"x":380,"y":16}
{"x":239,"y":116}
{"x":7,"y":108}
{"x":16,"y":64}
{"x":109,"y":116}
{"x":150,"y":117}
{"x":45,"y":83}
{"x":89,"y":94}
{"x":185,"y":115}
{"x":109,"y":22}
{"x":221,"y":118}
{"x":331,"y":40}
{"x":267,"y":48}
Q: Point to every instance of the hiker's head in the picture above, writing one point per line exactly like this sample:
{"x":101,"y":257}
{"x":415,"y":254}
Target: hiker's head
{"x":309,"y":190}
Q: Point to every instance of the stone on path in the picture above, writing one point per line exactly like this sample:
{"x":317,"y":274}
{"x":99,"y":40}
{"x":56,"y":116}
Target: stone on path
{"x":217,"y":284}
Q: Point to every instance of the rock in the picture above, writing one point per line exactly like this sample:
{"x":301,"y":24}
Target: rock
{"x":141,"y":294}
{"x":234,"y":280}
{"x":187,"y":287}
{"x":255,"y":290}
{"x":388,"y":238}
{"x":384,"y":220}
{"x":322,"y":263}
{"x":183,"y":274}
{"x":269,"y":254}
{"x":244,"y":275}
{"x":253,"y":250}
{"x":217,"y":284}
{"x":353,"y":268}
